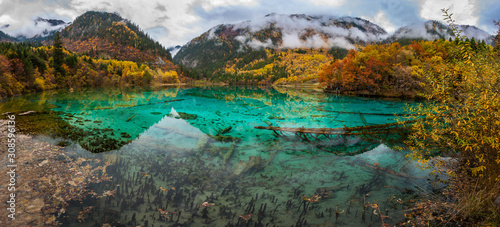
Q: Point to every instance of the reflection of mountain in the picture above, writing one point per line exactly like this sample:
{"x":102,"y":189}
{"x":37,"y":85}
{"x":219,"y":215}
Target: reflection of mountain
{"x":107,"y":120}
{"x":171,"y":132}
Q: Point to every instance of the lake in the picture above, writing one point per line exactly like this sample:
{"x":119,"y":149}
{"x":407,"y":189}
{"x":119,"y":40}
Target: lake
{"x":193,"y":157}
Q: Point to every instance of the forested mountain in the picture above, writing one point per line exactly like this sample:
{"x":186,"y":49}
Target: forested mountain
{"x":211,"y":50}
{"x":97,"y":49}
{"x":98,"y":35}
{"x":6,"y":38}
{"x":275,"y":49}
{"x":108,"y":35}
{"x":270,"y":66}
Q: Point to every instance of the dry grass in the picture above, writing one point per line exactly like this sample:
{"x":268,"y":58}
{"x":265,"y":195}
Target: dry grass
{"x":465,"y":202}
{"x":475,"y":203}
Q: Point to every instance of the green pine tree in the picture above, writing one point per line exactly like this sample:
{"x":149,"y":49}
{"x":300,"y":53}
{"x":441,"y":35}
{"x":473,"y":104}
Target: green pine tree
{"x":58,"y":57}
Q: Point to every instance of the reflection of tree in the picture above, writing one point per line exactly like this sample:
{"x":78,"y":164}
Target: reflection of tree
{"x":87,"y":116}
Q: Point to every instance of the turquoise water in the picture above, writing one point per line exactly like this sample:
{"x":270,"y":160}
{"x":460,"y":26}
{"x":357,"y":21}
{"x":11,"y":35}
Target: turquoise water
{"x":202,"y":142}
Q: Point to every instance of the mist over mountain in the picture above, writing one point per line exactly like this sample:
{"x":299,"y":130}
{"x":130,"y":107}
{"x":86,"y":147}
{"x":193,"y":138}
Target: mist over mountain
{"x":225,"y":42}
{"x":277,"y":31}
{"x":431,"y":30}
{"x":39,"y":30}
{"x":302,"y":31}
{"x":173,"y":50}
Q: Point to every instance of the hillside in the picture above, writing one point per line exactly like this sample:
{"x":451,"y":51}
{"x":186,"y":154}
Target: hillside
{"x":27,"y":67}
{"x":211,"y":50}
{"x":266,"y":67}
{"x":6,"y":38}
{"x":108,"y":35}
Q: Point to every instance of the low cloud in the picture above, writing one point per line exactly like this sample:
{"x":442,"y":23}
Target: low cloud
{"x":162,"y":19}
{"x":301,"y":31}
{"x":431,"y":30}
{"x":160,"y":7}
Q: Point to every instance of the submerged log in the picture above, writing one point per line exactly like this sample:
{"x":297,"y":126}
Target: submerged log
{"x":201,"y":144}
{"x":359,"y":130}
{"x":130,"y":118}
{"x":348,"y":140}
{"x":228,"y":154}
{"x":370,"y":133}
{"x":254,"y":163}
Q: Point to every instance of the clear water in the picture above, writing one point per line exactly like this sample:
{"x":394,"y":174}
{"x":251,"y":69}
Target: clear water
{"x":167,"y":139}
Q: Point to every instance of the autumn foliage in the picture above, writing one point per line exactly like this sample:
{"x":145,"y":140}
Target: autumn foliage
{"x":462,"y":123}
{"x":268,"y":67}
{"x":107,"y":35}
{"x":391,"y":70}
{"x":25,"y":68}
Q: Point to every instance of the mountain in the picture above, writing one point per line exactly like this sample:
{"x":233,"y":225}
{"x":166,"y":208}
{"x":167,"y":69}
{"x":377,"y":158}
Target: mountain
{"x":225,"y":42}
{"x":108,"y":35}
{"x":6,"y":38}
{"x":51,"y":22}
{"x":39,"y":30}
{"x":431,"y":30}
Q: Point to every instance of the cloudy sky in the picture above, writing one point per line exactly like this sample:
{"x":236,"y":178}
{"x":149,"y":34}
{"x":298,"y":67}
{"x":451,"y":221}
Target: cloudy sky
{"x":175,"y":22}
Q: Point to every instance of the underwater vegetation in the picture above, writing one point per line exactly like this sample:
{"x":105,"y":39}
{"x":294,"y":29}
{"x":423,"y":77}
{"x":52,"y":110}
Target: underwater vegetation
{"x":172,"y":186}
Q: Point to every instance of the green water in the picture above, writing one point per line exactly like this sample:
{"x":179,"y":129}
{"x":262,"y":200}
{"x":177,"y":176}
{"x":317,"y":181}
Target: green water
{"x":202,"y":142}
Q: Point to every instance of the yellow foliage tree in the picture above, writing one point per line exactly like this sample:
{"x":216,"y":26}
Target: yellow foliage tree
{"x":463,"y":122}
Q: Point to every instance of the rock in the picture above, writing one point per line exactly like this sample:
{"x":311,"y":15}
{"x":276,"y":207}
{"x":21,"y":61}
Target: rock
{"x":35,"y":206}
{"x":497,"y":201}
{"x":43,"y":162}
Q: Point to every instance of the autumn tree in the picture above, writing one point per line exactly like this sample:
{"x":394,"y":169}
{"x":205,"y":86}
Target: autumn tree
{"x":497,"y":36}
{"x":463,"y":122}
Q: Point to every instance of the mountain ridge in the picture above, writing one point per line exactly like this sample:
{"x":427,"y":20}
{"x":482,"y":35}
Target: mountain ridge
{"x":225,"y":42}
{"x":108,"y":35}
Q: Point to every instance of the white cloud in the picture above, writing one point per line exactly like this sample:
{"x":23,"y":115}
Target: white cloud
{"x":211,"y":4}
{"x":333,"y":3}
{"x":294,"y":29}
{"x":382,"y":20}
{"x":256,"y":44}
{"x":6,"y":19}
{"x":464,"y":12}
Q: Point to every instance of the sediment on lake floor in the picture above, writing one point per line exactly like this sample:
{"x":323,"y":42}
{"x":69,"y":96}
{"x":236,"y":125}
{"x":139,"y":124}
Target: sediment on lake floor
{"x":46,"y":179}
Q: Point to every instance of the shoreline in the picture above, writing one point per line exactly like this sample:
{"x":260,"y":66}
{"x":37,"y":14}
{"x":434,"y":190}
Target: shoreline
{"x":46,"y":180}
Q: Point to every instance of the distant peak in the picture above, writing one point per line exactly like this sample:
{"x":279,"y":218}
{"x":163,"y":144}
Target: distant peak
{"x":52,"y":22}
